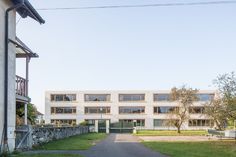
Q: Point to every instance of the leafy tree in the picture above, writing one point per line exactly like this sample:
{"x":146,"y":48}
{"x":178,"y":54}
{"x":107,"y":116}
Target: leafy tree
{"x":185,"y":98}
{"x":226,"y":84}
{"x":223,"y":107}
{"x":31,"y":114}
{"x":216,"y":111}
{"x":84,"y":123}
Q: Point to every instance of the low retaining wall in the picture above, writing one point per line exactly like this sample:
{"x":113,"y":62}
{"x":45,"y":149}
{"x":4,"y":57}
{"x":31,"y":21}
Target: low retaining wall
{"x":28,"y":136}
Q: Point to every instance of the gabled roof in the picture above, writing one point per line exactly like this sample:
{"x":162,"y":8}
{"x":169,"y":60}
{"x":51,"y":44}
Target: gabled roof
{"x":28,"y":10}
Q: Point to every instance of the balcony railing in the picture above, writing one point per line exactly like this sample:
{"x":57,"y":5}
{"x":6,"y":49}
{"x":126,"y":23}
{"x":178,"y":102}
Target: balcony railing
{"x":21,"y":86}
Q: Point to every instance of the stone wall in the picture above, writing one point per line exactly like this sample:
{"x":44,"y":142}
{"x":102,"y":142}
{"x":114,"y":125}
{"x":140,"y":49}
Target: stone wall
{"x":38,"y":135}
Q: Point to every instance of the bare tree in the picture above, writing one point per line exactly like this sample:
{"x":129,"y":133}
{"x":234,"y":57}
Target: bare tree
{"x":185,"y":98}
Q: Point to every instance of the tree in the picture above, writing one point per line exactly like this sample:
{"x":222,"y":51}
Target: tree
{"x":217,"y":112}
{"x":185,"y":98}
{"x":226,"y":84}
{"x":31,"y":115}
{"x":223,"y":108}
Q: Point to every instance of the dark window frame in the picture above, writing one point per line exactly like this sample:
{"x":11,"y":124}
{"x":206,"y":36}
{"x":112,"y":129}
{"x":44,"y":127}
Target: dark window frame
{"x":132,"y":110}
{"x":157,"y":109}
{"x":97,"y":97}
{"x":105,"y":110}
{"x":199,"y":123}
{"x":64,"y":110}
{"x":63,"y":97}
{"x":133,"y":97}
{"x":161,"y":97}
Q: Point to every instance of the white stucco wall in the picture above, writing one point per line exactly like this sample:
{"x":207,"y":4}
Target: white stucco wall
{"x":4,"y":4}
{"x":114,"y":115}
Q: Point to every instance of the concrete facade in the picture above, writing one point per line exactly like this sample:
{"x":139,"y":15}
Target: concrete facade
{"x":114,"y":103}
{"x":4,"y":4}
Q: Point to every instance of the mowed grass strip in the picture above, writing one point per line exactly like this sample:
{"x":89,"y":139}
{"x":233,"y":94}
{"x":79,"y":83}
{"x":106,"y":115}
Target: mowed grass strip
{"x":47,"y":155}
{"x":171,"y":133}
{"x":78,"y":142}
{"x":195,"y":149}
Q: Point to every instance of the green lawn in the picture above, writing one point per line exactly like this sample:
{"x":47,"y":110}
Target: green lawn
{"x":195,"y":149}
{"x":79,"y":142}
{"x":171,"y":133}
{"x":47,"y":155}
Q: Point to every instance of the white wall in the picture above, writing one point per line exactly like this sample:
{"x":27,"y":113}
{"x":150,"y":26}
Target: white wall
{"x":4,"y":4}
{"x":114,"y":116}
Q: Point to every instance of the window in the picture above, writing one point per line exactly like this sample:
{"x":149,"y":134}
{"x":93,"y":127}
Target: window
{"x":196,"y":110}
{"x":132,"y":122}
{"x":63,"y":121}
{"x":165,"y":109}
{"x":63,"y":110}
{"x":205,"y":97}
{"x":200,"y":122}
{"x":97,"y":110}
{"x":97,"y":97}
{"x":161,"y":97}
{"x":160,"y":122}
{"x":90,"y":121}
{"x":131,"y":97}
{"x":63,"y":97}
{"x":131,"y":110}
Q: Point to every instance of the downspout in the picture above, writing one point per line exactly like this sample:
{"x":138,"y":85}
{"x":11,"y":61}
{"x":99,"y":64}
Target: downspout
{"x":6,"y":72}
{"x":26,"y":88}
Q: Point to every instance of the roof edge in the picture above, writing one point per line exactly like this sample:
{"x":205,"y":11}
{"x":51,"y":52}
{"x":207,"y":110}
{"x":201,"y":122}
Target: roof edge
{"x":28,"y":10}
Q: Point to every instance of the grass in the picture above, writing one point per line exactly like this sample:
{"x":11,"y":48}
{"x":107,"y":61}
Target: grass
{"x":47,"y":155}
{"x":171,"y":133}
{"x":195,"y":149}
{"x":78,"y":142}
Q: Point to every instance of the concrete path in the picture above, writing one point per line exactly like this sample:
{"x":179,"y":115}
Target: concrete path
{"x":115,"y":145}
{"x":120,"y":145}
{"x":177,"y":138}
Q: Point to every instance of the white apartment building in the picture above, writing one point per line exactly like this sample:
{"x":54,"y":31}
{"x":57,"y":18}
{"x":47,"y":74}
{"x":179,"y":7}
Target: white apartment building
{"x":145,"y":109}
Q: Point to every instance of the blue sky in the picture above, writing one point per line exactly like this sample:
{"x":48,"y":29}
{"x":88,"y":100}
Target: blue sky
{"x":128,"y":48}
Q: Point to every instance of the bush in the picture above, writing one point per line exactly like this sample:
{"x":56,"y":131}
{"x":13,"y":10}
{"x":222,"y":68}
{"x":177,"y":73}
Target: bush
{"x":84,"y":123}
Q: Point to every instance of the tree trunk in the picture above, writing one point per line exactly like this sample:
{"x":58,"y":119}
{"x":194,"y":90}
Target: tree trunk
{"x":218,"y":125}
{"x":178,"y":130}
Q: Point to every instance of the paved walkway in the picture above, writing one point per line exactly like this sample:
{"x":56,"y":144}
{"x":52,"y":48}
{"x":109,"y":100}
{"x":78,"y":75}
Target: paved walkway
{"x":115,"y":145}
{"x":176,"y":138}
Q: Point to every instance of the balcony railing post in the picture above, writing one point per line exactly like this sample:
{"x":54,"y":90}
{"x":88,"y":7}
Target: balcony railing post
{"x":21,"y":86}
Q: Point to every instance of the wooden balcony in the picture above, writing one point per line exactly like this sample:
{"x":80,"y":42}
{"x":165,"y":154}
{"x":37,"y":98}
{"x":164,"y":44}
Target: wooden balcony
{"x":21,"y":89}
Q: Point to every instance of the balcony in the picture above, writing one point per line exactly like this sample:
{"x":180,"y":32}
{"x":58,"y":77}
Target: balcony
{"x":21,"y":89}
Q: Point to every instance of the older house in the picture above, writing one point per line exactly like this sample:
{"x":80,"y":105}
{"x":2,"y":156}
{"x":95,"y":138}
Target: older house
{"x":12,"y":88}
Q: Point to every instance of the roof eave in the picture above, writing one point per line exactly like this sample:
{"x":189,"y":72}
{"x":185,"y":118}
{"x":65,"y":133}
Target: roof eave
{"x":28,"y":10}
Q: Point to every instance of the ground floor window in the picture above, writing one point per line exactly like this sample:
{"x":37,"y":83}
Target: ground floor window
{"x":90,"y":121}
{"x":200,"y":122}
{"x":160,"y":122}
{"x":133,"y":122}
{"x":63,"y":121}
